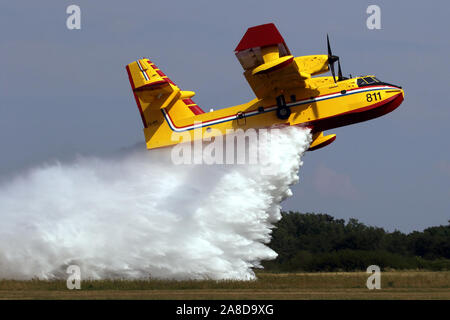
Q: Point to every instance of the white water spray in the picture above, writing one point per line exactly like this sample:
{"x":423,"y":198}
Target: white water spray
{"x":140,"y":216}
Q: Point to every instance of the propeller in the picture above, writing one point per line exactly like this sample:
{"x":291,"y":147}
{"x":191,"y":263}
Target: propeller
{"x":340,"y":77}
{"x":331,"y":60}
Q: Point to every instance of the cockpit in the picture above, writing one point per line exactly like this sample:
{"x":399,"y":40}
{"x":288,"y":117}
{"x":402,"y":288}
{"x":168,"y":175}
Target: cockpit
{"x":366,"y":81}
{"x":371,"y":80}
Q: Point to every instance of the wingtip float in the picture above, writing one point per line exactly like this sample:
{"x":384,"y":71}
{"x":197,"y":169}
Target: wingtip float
{"x":285,"y":89}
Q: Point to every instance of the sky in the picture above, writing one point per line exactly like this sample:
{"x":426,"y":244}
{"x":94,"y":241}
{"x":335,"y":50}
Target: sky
{"x":65,"y":92}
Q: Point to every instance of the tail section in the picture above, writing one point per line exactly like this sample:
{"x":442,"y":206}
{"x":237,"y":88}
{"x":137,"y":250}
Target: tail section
{"x":156,"y":94}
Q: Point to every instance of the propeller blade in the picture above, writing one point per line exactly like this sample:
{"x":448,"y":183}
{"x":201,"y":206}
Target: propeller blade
{"x":332,"y":71}
{"x":340,"y":77}
{"x":332,"y":59}
{"x":329,"y":47}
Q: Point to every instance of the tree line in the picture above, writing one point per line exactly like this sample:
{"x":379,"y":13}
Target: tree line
{"x":319,"y":242}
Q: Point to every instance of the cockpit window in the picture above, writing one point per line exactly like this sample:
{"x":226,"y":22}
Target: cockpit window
{"x":369,"y":80}
{"x":360,"y":82}
{"x":366,"y":81}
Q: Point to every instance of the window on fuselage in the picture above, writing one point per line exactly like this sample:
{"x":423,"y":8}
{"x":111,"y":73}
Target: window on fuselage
{"x":361,"y":83}
{"x":366,"y":81}
{"x":369,"y":80}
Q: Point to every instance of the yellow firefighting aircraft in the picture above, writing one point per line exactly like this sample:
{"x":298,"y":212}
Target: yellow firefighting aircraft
{"x":286,"y":94}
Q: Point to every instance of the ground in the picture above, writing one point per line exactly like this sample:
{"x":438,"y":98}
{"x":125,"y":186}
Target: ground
{"x":341,"y":285}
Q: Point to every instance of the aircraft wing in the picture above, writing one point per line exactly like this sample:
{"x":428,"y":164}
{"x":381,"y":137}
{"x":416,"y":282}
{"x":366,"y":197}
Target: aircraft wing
{"x":268,"y":64}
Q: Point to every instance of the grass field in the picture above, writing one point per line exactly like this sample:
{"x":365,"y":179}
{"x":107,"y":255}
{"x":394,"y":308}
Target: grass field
{"x":341,"y":285}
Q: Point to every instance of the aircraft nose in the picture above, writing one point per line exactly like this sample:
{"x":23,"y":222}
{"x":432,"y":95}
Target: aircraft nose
{"x":399,"y":89}
{"x":402,"y":92}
